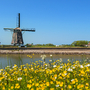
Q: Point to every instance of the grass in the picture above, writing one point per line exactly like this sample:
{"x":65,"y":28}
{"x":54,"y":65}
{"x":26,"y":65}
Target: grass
{"x":44,"y":46}
{"x":40,"y":75}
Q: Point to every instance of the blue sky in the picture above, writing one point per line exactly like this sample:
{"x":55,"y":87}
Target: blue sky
{"x":55,"y":21}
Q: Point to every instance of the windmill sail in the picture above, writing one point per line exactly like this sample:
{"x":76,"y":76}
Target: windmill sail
{"x":19,"y":20}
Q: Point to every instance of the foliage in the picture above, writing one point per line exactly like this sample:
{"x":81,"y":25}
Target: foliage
{"x":49,"y":44}
{"x":45,"y":44}
{"x":28,"y":45}
{"x":80,"y":43}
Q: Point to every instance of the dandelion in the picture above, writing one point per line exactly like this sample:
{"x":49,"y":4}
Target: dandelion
{"x":69,"y":86}
{"x":12,"y":87}
{"x":36,"y":84}
{"x":29,"y":86}
{"x":73,"y":81}
{"x":3,"y":88}
{"x":17,"y":86}
{"x":87,"y":84}
{"x":47,"y":83}
{"x":61,"y":84}
{"x":52,"y":89}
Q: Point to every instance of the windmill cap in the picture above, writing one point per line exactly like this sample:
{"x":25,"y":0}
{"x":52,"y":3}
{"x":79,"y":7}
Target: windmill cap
{"x":17,"y":28}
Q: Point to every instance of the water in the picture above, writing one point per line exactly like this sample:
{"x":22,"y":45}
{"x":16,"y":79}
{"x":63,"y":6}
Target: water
{"x":11,"y":59}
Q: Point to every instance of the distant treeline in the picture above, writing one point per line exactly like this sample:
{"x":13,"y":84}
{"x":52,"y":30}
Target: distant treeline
{"x":40,"y":44}
{"x":80,"y":43}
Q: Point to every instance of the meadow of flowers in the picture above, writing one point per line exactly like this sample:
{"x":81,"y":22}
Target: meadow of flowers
{"x":54,"y":75}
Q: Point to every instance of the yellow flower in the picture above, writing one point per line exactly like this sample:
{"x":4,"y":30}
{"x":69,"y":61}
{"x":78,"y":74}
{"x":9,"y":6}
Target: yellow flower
{"x":57,"y":82}
{"x":41,"y":85}
{"x":51,"y":88}
{"x":50,"y":71}
{"x":76,"y":80}
{"x":3,"y":88}
{"x":60,"y":77}
{"x":87,"y":84}
{"x":82,"y":85}
{"x":17,"y":86}
{"x":73,"y":81}
{"x":61,"y":84}
{"x":51,"y":82}
{"x":78,"y":86}
{"x":61,"y":89}
{"x":30,"y":81}
{"x":32,"y":89}
{"x":47,"y":83}
{"x":29,"y":86}
{"x":69,"y":86}
{"x":55,"y":75}
{"x":36,"y":84}
{"x":32,"y":84}
{"x":11,"y":87}
{"x":86,"y":87}
{"x":82,"y":72}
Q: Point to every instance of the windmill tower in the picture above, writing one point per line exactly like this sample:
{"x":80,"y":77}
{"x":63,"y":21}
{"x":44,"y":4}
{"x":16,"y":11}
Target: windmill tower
{"x":17,"y":38}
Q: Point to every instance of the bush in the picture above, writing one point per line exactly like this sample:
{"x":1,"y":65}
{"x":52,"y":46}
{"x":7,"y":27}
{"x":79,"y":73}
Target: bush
{"x":80,"y":43}
{"x":49,"y":44}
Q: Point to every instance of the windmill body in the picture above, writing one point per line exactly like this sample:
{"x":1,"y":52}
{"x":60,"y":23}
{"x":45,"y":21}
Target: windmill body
{"x":17,"y":38}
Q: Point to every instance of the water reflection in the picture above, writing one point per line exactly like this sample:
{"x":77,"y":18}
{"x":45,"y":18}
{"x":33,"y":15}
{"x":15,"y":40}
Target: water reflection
{"x":11,"y":59}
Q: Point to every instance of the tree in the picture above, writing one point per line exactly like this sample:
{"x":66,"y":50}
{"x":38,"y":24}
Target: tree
{"x":80,"y":43}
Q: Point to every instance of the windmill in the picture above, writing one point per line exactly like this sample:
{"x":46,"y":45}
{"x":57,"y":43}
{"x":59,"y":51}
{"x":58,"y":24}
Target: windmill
{"x":17,"y":38}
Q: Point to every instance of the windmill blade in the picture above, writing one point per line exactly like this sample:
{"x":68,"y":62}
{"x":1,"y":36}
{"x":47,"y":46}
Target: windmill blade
{"x":11,"y":29}
{"x":28,"y":30}
{"x":19,"y":20}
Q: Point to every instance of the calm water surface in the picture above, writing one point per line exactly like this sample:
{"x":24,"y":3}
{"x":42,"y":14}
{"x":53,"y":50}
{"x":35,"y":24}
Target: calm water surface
{"x":11,"y":59}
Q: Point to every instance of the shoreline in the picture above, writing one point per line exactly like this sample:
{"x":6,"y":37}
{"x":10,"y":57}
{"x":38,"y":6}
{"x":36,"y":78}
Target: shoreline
{"x":49,"y":51}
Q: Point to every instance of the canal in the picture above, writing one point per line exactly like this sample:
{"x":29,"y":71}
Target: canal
{"x":19,"y":59}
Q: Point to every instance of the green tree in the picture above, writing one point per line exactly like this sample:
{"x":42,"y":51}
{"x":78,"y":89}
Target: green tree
{"x":80,"y":43}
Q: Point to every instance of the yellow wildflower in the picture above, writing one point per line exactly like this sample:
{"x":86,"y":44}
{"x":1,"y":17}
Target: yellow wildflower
{"x":29,"y":86}
{"x":47,"y":83}
{"x":61,"y":84}
{"x":3,"y":88}
{"x":36,"y":84}
{"x":11,"y":87}
{"x":69,"y":86}
{"x":17,"y":86}
{"x":51,"y":82}
{"x":51,"y":88}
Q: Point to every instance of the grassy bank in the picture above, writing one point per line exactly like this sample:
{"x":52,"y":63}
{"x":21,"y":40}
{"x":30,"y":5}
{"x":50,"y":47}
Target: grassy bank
{"x":46,"y":76}
{"x":42,"y":46}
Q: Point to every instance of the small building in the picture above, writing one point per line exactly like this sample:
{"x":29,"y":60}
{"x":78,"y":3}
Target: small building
{"x":88,"y":45}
